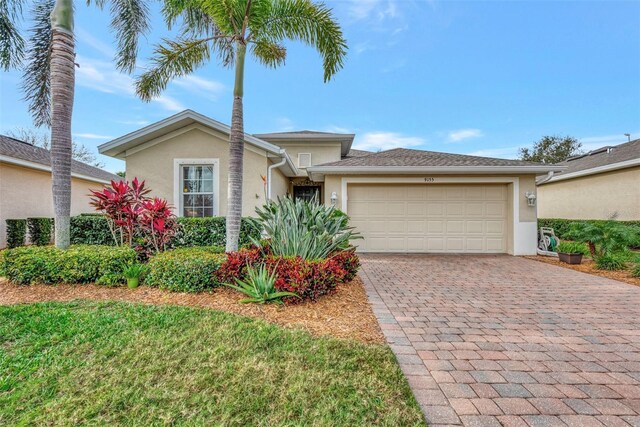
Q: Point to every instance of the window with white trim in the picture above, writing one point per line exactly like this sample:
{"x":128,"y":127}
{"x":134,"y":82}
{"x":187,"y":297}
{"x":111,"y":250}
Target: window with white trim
{"x":197,"y":197}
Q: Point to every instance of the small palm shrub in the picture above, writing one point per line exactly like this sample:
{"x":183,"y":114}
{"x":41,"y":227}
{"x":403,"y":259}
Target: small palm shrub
{"x":260,"y":286}
{"x":603,"y":238}
{"x":610,"y":262}
{"x":309,"y":230}
{"x":573,"y":248}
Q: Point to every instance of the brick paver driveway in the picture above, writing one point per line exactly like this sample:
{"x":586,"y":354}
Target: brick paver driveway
{"x":499,"y":340}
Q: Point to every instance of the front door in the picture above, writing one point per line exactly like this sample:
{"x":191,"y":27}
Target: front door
{"x":306,"y":192}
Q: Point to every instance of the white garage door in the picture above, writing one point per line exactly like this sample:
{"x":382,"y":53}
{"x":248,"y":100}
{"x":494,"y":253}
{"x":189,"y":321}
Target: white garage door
{"x":429,"y":218}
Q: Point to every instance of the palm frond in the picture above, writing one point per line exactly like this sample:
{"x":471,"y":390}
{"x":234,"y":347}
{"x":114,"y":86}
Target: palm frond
{"x":172,"y":59}
{"x":310,"y":23}
{"x":36,"y":82}
{"x":12,"y":44}
{"x":269,"y":53}
{"x":129,"y":20}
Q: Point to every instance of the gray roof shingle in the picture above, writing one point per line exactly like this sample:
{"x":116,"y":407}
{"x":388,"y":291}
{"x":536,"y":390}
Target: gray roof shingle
{"x":21,"y":150}
{"x":601,"y":157}
{"x":409,"y":157}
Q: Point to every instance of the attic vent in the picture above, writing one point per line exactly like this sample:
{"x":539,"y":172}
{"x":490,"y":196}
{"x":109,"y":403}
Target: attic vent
{"x":304,"y":160}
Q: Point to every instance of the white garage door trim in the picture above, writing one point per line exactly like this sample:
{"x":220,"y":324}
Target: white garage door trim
{"x":524,"y":234}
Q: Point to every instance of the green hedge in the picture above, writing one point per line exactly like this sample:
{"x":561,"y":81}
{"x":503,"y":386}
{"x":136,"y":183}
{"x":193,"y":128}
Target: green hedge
{"x":90,"y":229}
{"x":185,"y":269}
{"x":16,"y":232}
{"x":561,"y":226}
{"x":40,"y":230}
{"x":211,"y":232}
{"x":78,"y":264}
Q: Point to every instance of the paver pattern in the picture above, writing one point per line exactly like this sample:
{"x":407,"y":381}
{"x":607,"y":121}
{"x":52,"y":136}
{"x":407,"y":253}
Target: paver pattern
{"x":499,"y":340}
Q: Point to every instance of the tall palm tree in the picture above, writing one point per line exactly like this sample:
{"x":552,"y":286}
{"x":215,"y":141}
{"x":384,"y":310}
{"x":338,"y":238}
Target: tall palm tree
{"x":227,"y":28}
{"x":48,"y":60}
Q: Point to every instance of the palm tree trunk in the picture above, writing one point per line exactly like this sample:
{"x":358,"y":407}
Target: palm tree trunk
{"x":62,"y":88}
{"x":236,"y":156}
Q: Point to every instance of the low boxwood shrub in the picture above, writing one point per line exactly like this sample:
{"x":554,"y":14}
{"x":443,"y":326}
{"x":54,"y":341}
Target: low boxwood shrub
{"x":91,"y":229}
{"x":610,"y":262}
{"x":185,"y":269}
{"x":16,"y":232}
{"x":40,"y":230}
{"x":78,"y":264}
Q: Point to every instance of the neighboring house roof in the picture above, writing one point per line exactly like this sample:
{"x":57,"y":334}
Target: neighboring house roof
{"x":119,"y":146}
{"x":22,"y":153}
{"x":357,"y":153}
{"x":603,"y":159}
{"x":345,"y":139}
{"x":404,"y":160}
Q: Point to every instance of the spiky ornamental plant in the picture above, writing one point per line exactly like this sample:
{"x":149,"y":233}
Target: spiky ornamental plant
{"x":226,"y":28}
{"x":47,"y":57}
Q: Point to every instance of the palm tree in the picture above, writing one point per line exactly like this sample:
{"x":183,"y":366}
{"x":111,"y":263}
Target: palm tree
{"x":227,"y":28}
{"x":49,"y":76}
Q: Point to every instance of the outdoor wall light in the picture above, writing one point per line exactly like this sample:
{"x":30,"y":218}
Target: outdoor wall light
{"x":334,"y":198}
{"x":531,"y":198}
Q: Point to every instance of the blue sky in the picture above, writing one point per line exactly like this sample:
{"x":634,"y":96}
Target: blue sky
{"x":458,"y":76}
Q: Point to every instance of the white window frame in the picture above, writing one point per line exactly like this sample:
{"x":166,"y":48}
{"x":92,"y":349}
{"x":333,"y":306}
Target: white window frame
{"x":177,"y":184}
{"x":300,"y":166}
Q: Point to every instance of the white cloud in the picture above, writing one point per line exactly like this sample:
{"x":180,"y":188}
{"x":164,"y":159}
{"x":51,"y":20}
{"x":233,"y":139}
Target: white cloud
{"x":462,"y":134}
{"x":92,"y":136}
{"x":500,"y":152}
{"x":337,"y":129}
{"x":284,"y":124}
{"x":374,"y":141}
{"x":211,"y":88}
{"x":102,"y":76}
{"x":85,"y":37}
{"x":377,"y":9}
{"x":594,"y":142}
{"x":134,"y":122}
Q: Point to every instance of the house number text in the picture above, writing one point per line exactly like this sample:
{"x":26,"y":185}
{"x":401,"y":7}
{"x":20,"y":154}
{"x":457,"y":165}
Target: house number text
{"x":430,"y":179}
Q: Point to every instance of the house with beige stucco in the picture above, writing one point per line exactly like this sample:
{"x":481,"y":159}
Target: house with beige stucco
{"x":25,"y":183}
{"x":600,"y":184}
{"x":401,"y":200}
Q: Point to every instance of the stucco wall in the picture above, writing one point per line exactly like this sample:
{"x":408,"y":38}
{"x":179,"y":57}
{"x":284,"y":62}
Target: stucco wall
{"x":26,"y":192}
{"x":593,"y":197}
{"x":155,"y":165}
{"x":321,"y":152}
{"x":279,"y":184}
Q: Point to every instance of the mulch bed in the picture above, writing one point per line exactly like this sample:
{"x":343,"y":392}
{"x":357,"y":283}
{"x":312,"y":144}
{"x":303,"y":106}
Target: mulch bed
{"x":345,"y":314}
{"x":588,"y":266}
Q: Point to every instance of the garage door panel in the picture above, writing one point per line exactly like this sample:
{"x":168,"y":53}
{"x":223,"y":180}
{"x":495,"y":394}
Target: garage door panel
{"x":429,"y":218}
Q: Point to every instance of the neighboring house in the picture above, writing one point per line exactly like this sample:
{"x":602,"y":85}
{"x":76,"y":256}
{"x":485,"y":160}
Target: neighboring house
{"x":25,"y":183}
{"x":400,"y":200}
{"x":596,"y":185}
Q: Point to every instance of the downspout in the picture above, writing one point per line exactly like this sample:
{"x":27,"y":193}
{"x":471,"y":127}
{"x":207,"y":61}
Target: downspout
{"x":546,"y":178}
{"x":273,"y":166}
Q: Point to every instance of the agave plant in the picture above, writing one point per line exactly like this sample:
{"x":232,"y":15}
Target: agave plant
{"x":260,"y":286}
{"x":304,"y":228}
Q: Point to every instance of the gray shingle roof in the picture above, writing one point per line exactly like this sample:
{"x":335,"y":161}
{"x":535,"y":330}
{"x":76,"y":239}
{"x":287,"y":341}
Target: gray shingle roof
{"x":357,"y":153}
{"x":21,"y":150}
{"x":602,"y":157}
{"x":408,"y":157}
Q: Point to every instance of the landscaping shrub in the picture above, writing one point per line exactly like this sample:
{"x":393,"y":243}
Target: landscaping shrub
{"x":90,"y":229}
{"x":635,"y":271}
{"x":562,"y":227}
{"x":603,"y":238}
{"x":573,"y":248}
{"x":235,"y":265}
{"x":349,"y":262}
{"x":185,"y":269}
{"x":309,"y":230}
{"x":78,"y":264}
{"x":260,"y":286}
{"x":211,"y":232}
{"x":16,"y":232}
{"x":40,"y":230}
{"x":610,"y":262}
{"x":93,"y":229}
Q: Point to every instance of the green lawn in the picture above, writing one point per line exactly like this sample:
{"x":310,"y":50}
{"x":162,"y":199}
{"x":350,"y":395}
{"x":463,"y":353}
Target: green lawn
{"x":128,"y":364}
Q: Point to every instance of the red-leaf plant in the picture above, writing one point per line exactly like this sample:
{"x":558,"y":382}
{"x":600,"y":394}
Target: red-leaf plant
{"x":129,"y":211}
